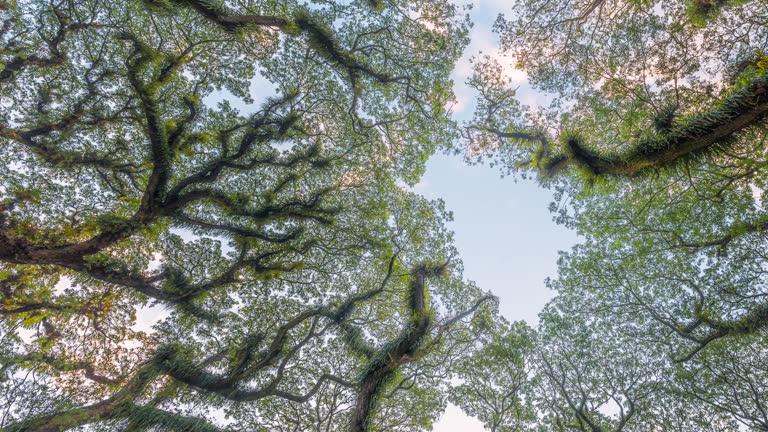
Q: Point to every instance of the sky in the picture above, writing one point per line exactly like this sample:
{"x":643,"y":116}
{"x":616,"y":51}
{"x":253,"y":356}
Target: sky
{"x":505,"y":236}
{"x":503,"y":229}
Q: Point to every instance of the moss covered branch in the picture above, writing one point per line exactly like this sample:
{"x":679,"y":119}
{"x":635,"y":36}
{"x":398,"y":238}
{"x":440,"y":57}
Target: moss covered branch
{"x":706,"y":132}
{"x":414,"y":342}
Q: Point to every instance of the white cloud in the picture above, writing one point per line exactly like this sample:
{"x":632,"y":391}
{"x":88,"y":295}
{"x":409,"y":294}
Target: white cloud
{"x":454,"y":420}
{"x":421,"y":186}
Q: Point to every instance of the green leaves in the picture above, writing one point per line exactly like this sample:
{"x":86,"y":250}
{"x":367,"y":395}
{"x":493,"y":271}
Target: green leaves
{"x":496,"y":382}
{"x":151,"y":203}
{"x":656,"y":155}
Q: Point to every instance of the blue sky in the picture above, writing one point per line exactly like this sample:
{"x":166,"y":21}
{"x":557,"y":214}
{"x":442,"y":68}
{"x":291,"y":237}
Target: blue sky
{"x":504,"y":232}
{"x":506,"y":238}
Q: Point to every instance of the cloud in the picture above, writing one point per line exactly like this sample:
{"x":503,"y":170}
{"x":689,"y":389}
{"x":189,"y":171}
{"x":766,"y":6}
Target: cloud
{"x":454,"y":420}
{"x":421,"y":186}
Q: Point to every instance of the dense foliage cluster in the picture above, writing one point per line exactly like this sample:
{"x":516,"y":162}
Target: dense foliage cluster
{"x":205,"y":222}
{"x":655,"y":142}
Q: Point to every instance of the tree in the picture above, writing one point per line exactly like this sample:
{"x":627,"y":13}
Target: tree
{"x":655,"y":145}
{"x":640,"y":95}
{"x":496,"y":385}
{"x":730,"y":378}
{"x":590,"y":381}
{"x":293,"y":268}
{"x":595,"y":374}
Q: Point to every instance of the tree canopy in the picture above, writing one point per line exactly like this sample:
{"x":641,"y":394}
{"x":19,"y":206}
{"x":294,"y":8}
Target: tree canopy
{"x":290,"y":276}
{"x":206,"y":221}
{"x":654,"y":142}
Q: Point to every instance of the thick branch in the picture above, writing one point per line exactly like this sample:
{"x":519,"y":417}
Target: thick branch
{"x":705,"y":132}
{"x":385,"y":364}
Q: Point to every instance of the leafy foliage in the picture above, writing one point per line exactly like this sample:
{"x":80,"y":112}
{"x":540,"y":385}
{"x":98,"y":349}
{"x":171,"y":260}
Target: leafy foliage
{"x":178,"y":256}
{"x":205,"y":223}
{"x":497,"y":387}
{"x":655,"y":145}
